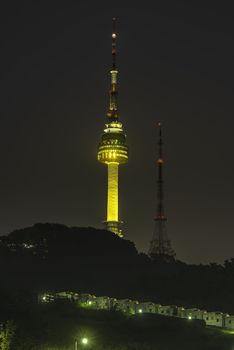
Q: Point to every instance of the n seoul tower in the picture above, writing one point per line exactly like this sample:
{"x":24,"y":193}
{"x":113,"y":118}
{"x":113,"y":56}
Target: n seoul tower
{"x":112,"y":149}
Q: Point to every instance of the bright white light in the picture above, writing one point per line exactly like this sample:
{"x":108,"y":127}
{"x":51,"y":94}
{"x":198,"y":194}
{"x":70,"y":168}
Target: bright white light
{"x":84,"y":341}
{"x":90,"y":302}
{"x":190,"y":317}
{"x":113,"y":35}
{"x":140,"y":311}
{"x":44,"y":298}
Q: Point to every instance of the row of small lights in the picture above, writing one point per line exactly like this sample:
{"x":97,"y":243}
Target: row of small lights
{"x":85,"y":341}
{"x":140,"y":311}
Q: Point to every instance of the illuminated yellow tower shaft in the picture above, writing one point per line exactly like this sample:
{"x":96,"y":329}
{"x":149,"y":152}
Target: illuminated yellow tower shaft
{"x":112,"y":193}
{"x":112,"y":150}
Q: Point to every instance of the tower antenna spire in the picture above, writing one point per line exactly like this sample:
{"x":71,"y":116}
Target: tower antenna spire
{"x":112,"y":113}
{"x":160,"y":245}
{"x":114,"y":37}
{"x":160,"y":195}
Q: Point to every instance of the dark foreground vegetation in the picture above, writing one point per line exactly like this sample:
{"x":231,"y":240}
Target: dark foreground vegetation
{"x":57,"y":326}
{"x":51,"y":257}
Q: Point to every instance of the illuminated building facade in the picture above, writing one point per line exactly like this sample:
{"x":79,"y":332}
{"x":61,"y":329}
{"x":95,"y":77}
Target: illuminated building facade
{"x":160,"y":245}
{"x":112,"y":149}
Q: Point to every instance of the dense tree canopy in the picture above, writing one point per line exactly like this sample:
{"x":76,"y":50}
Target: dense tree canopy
{"x":57,"y":326}
{"x":52,"y":257}
{"x":55,"y":257}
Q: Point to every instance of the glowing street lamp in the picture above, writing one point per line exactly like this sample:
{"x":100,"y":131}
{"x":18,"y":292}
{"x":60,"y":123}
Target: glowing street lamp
{"x":84,"y":341}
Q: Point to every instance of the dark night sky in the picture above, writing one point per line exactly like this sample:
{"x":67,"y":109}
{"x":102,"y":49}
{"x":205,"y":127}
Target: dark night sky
{"x":176,"y":65}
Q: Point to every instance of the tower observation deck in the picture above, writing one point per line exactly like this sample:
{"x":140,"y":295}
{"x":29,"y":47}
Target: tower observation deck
{"x":112,"y":149}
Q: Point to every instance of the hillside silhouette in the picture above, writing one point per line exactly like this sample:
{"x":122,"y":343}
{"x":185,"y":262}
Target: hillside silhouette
{"x":59,"y":324}
{"x":54,"y":257}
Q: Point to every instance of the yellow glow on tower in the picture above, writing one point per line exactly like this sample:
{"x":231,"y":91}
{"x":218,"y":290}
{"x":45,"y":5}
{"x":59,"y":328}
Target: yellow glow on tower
{"x":112,"y":198}
{"x":113,"y":150}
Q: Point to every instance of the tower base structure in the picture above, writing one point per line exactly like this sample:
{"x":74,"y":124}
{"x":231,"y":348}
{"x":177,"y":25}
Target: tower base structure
{"x":161,"y":250}
{"x":160,"y":245}
{"x":115,"y":227}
